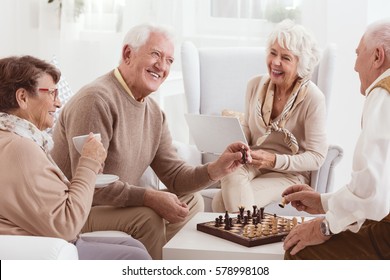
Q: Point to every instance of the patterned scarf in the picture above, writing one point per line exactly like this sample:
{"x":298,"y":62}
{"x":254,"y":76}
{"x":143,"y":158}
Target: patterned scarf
{"x":28,"y":130}
{"x":264,"y":109}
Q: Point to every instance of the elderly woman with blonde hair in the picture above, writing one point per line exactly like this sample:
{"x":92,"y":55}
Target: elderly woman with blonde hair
{"x":284,"y":122}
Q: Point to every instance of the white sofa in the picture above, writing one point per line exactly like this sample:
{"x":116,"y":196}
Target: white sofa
{"x":13,"y":247}
{"x":215,"y":79}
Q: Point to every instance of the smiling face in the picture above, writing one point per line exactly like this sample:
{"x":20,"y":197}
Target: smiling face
{"x":282,"y":66}
{"x":149,"y":66}
{"x":40,"y":106}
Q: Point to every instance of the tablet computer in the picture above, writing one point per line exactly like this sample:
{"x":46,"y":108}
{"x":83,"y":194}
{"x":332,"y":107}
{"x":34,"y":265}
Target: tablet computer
{"x":212,"y":133}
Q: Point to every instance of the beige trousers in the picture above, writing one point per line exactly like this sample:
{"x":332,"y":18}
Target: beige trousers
{"x":248,"y":186}
{"x":142,"y":223}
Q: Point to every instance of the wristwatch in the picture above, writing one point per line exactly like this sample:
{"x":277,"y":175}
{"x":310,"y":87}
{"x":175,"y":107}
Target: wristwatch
{"x":324,"y":227}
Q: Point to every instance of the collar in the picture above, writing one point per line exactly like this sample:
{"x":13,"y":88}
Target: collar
{"x":381,"y":77}
{"x":120,"y":79}
{"x":24,"y":128}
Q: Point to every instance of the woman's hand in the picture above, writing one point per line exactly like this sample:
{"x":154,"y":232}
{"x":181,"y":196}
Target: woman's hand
{"x":94,"y":149}
{"x":263,"y":159}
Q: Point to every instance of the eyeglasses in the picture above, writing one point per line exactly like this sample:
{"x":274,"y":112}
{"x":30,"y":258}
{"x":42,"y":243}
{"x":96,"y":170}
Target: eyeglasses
{"x":52,"y":91}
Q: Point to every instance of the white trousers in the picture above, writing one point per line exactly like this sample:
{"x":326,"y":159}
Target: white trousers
{"x":248,"y":186}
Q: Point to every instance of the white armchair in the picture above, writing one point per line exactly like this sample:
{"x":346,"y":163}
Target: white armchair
{"x":216,"y":78}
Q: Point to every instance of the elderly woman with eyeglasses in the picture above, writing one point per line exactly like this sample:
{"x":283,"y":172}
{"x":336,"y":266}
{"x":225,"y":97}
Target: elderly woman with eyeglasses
{"x":285,"y":123}
{"x":36,"y":198}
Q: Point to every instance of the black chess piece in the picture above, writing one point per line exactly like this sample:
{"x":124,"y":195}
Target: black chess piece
{"x":241,"y":209}
{"x":231,"y":222}
{"x":217,"y":224}
{"x":262,"y":212}
{"x":254,"y":213}
{"x":244,"y":157}
{"x":226,"y":215}
{"x":227,"y":225}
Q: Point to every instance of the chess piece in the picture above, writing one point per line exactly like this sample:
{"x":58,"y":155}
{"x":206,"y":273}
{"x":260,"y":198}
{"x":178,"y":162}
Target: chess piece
{"x":254,"y":213}
{"x":266,"y":231}
{"x":262,"y":213}
{"x":227,"y":224}
{"x":282,"y":203}
{"x":244,"y":157}
{"x":241,"y":209}
{"x":288,"y":227}
{"x":245,"y":232}
{"x":294,"y":221}
{"x":231,"y":222}
{"x":217,"y":222}
{"x":226,"y":216}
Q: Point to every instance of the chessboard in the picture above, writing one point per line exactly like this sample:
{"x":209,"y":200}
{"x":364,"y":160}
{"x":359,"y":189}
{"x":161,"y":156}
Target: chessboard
{"x":249,"y":228}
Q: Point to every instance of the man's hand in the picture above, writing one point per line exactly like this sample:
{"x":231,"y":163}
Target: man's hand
{"x":304,"y":198}
{"x":303,"y":235}
{"x":229,"y":161}
{"x":167,"y":205}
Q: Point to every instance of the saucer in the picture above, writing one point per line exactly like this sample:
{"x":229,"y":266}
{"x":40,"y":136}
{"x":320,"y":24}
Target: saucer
{"x":103,"y":180}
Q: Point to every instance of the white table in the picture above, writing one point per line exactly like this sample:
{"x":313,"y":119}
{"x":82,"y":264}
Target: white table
{"x":191,"y":244}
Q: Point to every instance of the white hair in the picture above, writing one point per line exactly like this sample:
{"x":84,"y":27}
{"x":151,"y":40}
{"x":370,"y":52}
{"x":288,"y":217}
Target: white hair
{"x":378,"y":34}
{"x":300,"y":42}
{"x":137,"y":36}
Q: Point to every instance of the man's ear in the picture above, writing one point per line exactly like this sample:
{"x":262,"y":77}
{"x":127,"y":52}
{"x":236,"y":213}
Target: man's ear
{"x":379,"y":56}
{"x":22,"y":97}
{"x":126,"y":52}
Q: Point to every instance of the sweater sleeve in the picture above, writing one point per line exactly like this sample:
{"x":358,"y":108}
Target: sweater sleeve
{"x":44,"y":204}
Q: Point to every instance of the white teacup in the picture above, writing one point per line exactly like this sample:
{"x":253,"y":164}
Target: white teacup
{"x":79,"y":141}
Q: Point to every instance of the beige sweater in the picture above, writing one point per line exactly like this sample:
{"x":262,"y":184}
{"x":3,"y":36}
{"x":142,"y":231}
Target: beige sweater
{"x":33,"y":198}
{"x":136,"y":136}
{"x":307,"y":122}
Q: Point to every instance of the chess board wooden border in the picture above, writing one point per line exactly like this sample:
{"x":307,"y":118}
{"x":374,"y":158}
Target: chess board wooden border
{"x":209,"y":228}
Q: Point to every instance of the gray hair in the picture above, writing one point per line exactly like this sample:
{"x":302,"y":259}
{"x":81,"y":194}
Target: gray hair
{"x":137,"y":36}
{"x":378,"y":34}
{"x":300,"y":42}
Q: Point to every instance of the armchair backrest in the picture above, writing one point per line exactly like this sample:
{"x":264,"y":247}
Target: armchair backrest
{"x":216,"y":78}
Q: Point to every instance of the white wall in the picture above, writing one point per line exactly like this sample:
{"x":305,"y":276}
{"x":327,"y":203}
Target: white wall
{"x":32,"y":27}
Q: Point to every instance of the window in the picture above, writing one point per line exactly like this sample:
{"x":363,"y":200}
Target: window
{"x":271,"y":10}
{"x":96,"y":15}
{"x":245,"y":19}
